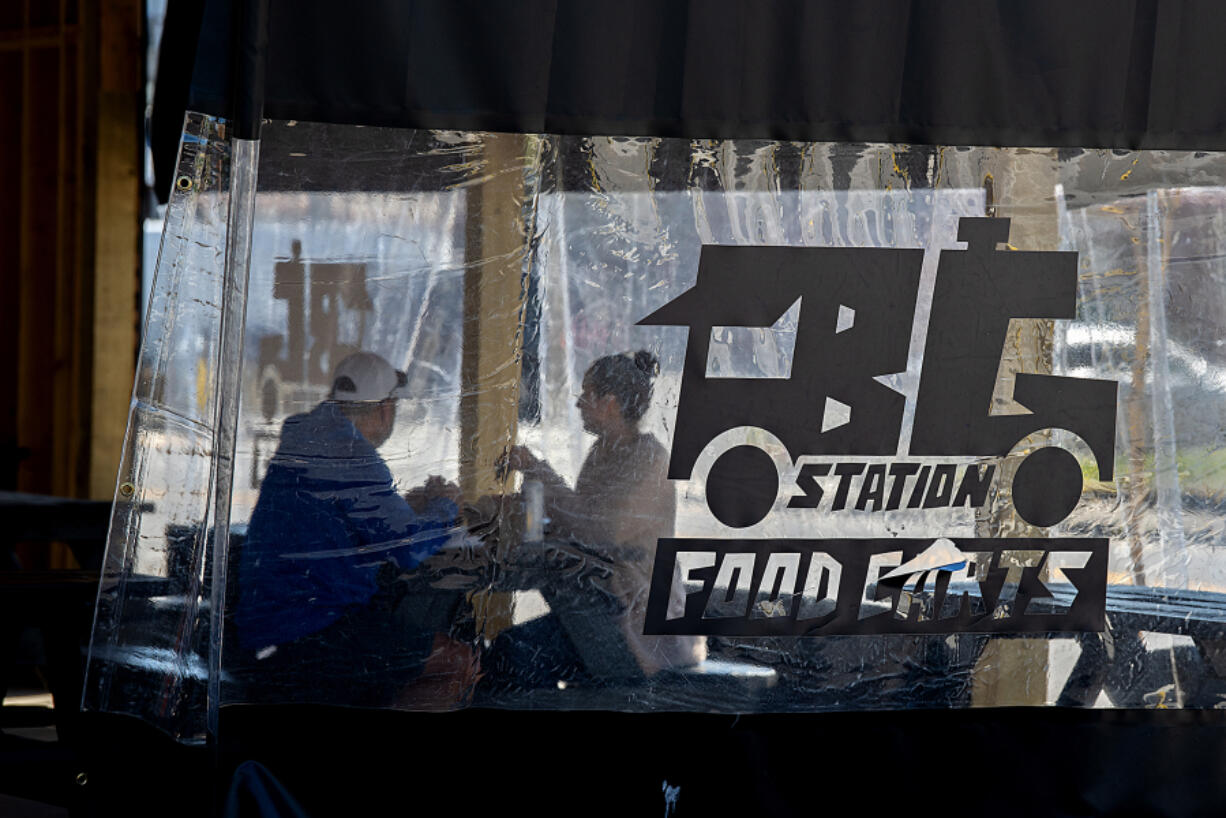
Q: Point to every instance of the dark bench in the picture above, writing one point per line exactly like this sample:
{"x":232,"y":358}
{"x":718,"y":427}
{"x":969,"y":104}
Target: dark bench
{"x":1118,"y":655}
{"x":1131,"y":610}
{"x":45,"y":618}
{"x":55,"y":604}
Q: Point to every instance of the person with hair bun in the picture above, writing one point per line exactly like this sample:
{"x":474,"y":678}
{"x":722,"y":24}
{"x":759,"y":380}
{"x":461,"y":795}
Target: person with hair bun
{"x":622,"y":501}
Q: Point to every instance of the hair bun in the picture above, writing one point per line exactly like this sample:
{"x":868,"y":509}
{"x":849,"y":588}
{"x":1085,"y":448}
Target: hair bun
{"x":647,"y":362}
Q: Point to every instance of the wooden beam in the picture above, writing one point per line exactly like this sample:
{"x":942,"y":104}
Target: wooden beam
{"x":66,"y":399}
{"x":12,"y":80}
{"x":1021,"y":186}
{"x":43,"y":37}
{"x":39,"y":235}
{"x":494,"y":291}
{"x":117,"y":235}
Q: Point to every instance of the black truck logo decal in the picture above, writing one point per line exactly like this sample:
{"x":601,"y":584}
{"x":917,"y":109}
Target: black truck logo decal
{"x":857,"y":307}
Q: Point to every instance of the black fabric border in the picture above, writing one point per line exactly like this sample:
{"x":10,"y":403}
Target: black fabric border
{"x":1000,"y":762}
{"x":1037,"y":73}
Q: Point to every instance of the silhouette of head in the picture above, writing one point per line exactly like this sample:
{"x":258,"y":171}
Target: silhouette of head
{"x":617,"y":391}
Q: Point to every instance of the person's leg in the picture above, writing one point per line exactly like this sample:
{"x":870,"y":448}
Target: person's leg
{"x":361,"y":660}
{"x":364,"y":658}
{"x":367,"y":657}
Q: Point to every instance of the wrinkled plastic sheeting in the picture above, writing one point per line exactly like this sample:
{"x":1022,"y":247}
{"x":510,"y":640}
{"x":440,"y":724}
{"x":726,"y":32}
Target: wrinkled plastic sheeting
{"x":493,"y":270}
{"x":150,"y":646}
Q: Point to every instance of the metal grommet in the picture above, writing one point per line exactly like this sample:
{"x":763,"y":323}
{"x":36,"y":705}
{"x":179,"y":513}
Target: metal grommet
{"x":82,"y":779}
{"x":126,"y":489}
{"x":184,"y":183}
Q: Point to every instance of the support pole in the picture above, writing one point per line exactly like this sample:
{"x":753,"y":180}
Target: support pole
{"x":495,"y":288}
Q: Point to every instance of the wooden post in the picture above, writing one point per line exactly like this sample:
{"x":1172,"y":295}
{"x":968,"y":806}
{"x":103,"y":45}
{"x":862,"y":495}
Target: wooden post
{"x":36,"y":318}
{"x":494,"y":299}
{"x":116,"y":313}
{"x":1021,"y":186}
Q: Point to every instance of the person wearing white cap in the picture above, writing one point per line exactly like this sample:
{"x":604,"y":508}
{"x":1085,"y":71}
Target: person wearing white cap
{"x":365,"y":387}
{"x":316,"y":612}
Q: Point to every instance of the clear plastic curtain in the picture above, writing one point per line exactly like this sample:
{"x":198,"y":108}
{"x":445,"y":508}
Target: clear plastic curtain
{"x":494,"y":538}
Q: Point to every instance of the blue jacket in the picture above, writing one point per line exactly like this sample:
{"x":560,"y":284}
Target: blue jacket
{"x":327,"y":517}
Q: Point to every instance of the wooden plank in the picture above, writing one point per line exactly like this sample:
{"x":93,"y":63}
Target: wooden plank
{"x":36,"y":357}
{"x":493,"y":315}
{"x":19,"y":38}
{"x":65,"y":401}
{"x":84,"y":161}
{"x":1020,"y":184}
{"x":492,"y":337}
{"x":12,"y":45}
{"x":74,"y":225}
{"x":116,"y":233}
{"x":12,"y":78}
{"x":69,"y":422}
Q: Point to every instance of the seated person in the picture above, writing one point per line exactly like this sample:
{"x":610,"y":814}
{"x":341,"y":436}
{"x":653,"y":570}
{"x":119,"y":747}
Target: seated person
{"x":318,"y":596}
{"x":620,"y":505}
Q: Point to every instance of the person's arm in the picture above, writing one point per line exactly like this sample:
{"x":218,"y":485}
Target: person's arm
{"x":383,"y":521}
{"x":562,"y":505}
{"x":522,"y":460}
{"x":569,"y":514}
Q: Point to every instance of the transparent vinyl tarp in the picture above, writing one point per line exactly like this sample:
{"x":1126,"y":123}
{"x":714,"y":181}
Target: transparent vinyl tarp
{"x":429,"y":420}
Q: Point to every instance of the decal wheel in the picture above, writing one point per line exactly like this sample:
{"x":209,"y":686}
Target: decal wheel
{"x":1047,"y":486}
{"x":741,"y":486}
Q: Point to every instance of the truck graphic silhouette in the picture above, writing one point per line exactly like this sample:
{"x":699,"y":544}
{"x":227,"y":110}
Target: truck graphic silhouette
{"x":977,"y":292}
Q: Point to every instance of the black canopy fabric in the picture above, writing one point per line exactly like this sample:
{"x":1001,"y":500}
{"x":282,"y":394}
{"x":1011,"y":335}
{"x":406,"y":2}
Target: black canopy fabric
{"x":1058,"y":73}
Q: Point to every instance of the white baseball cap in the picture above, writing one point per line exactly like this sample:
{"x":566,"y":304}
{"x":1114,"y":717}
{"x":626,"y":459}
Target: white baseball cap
{"x":365,"y":376}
